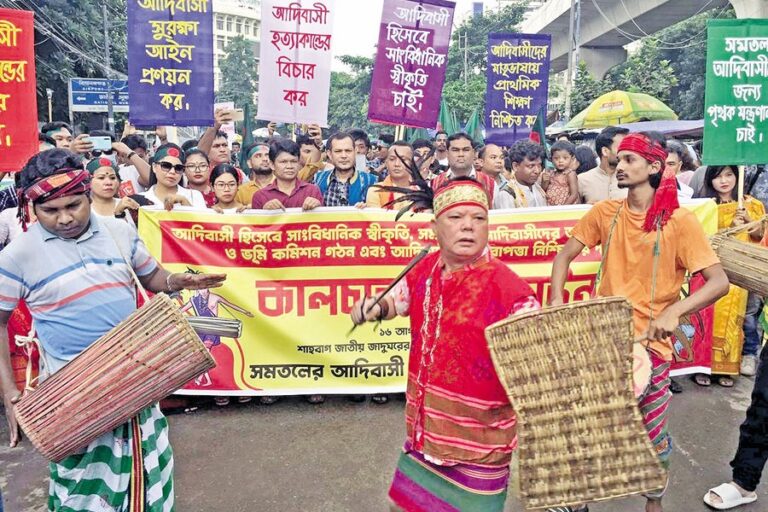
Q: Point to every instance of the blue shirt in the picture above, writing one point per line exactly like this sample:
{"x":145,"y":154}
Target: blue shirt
{"x":77,"y":289}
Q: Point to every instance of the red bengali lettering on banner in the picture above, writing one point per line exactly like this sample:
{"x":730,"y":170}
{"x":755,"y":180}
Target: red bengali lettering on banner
{"x":18,"y":100}
{"x":297,"y":298}
{"x":329,"y":244}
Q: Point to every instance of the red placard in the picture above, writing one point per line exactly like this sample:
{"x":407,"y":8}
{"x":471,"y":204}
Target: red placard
{"x":18,"y":100}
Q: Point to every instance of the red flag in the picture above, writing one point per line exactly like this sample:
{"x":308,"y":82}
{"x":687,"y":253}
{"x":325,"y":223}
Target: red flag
{"x":18,"y":100}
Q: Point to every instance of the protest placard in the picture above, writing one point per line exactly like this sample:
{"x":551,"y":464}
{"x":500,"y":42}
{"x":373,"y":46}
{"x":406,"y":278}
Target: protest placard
{"x":411,"y":60}
{"x":518,"y":81}
{"x":18,"y":102}
{"x":736,"y":98}
{"x":296,"y":56}
{"x":170,"y":62}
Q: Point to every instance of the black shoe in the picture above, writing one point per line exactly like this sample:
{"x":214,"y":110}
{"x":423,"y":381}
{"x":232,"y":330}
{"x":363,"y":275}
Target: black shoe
{"x":675,"y":387}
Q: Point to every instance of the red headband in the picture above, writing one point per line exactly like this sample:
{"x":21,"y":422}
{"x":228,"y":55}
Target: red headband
{"x":69,"y":183}
{"x":665,"y":200}
{"x":644,"y":146}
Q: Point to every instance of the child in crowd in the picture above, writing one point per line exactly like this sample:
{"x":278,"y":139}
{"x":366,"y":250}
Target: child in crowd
{"x":561,"y":185}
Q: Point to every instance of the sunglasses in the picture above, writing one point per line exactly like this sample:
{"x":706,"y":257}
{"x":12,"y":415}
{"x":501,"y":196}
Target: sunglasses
{"x":168,"y":167}
{"x":98,"y":152}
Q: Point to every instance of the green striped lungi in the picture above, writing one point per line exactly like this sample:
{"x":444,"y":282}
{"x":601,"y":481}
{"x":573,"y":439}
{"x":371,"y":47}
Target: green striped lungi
{"x":107,"y":477}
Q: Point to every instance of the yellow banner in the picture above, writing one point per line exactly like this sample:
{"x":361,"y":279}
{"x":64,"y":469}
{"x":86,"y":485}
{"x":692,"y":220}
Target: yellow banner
{"x":293,"y":278}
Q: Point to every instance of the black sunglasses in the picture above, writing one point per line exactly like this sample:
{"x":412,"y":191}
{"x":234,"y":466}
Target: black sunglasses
{"x":168,"y":166}
{"x":98,"y":152}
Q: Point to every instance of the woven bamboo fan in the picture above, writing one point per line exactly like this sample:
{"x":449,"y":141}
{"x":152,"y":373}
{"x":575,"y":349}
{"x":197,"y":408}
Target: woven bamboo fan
{"x":744,"y":263}
{"x":151,"y":354}
{"x":568,"y":373}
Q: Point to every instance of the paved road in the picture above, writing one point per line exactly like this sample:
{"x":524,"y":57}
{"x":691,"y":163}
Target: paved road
{"x":339,"y":456}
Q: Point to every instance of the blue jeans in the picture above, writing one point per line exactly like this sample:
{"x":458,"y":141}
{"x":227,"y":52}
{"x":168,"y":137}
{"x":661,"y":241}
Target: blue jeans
{"x":751,"y":335}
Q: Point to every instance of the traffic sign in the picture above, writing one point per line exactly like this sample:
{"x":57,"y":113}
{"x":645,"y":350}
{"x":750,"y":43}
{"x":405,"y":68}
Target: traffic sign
{"x":90,"y":94}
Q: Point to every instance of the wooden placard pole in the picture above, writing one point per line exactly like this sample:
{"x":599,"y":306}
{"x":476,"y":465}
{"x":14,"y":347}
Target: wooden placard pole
{"x":742,"y":171}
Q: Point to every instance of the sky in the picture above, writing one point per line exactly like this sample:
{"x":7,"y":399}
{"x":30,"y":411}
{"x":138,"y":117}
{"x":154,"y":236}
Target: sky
{"x":356,"y":27}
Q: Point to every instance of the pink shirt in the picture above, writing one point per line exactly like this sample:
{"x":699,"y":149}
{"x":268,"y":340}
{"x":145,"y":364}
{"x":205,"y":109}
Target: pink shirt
{"x":300,"y":193}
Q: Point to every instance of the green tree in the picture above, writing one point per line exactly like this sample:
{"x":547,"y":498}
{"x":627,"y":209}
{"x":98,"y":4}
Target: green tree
{"x":69,"y":43}
{"x":684,"y":45}
{"x":238,"y":74}
{"x":350,"y":91}
{"x":470,"y":42}
{"x":647,"y":72}
{"x":586,"y":89}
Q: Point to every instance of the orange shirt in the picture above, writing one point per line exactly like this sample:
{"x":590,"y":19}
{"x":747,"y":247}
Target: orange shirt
{"x":628,"y":266}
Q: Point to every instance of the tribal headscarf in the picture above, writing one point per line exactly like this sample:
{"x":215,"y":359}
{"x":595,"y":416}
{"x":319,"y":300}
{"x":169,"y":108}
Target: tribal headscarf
{"x":67,"y":182}
{"x":97,"y":163}
{"x":665,"y":201}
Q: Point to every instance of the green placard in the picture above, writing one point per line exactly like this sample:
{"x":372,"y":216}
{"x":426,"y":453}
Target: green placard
{"x":736,"y":104}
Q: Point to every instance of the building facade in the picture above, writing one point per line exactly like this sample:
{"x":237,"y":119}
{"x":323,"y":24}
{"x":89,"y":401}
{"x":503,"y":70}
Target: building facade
{"x":232,"y":18}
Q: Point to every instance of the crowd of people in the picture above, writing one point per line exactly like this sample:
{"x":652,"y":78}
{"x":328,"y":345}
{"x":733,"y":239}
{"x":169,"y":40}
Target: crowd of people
{"x":349,"y":169}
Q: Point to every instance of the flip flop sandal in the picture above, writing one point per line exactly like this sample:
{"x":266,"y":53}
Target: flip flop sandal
{"x":316,"y":399}
{"x":702,"y":380}
{"x":380,"y":399}
{"x":221,"y":401}
{"x":585,"y":508}
{"x":244,"y":399}
{"x":730,"y":496}
{"x":725,"y":382}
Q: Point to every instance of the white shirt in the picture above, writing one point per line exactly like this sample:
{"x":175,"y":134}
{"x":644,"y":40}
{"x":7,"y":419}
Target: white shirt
{"x":10,"y":226}
{"x":128,"y":218}
{"x":129,"y":173}
{"x":195,"y":198}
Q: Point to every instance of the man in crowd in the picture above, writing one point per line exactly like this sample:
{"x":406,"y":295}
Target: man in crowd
{"x":441,"y":149}
{"x":310,"y":158}
{"x":72,"y":270}
{"x":257,"y":163}
{"x":648,"y":244}
{"x":214,"y":142}
{"x":601,"y":183}
{"x":424,"y":158}
{"x":446,"y":465}
{"x":399,"y":156}
{"x":343,"y":185}
{"x":219,"y":153}
{"x":461,"y":162}
{"x":492,"y":165}
{"x":523,"y":190}
{"x":134,"y":165}
{"x":287,"y":190}
{"x":62,"y":134}
{"x":236,"y":147}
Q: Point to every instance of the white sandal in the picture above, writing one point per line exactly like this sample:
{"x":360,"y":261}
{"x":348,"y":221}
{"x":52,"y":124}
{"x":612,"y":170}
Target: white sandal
{"x":730,"y":496}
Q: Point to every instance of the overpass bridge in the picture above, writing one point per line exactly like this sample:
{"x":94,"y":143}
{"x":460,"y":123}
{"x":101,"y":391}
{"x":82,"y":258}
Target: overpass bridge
{"x":608,"y":25}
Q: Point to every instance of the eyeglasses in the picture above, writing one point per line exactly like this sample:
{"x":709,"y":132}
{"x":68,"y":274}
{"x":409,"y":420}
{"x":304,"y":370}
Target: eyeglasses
{"x":192,"y":167}
{"x":225,"y":186}
{"x":168,"y":167}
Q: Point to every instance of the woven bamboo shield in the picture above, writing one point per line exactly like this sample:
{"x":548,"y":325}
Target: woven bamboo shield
{"x":568,"y":372}
{"x":744,"y":263}
{"x":145,"y":358}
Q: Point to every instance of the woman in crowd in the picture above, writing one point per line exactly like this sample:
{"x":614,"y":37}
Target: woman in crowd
{"x":167,"y":170}
{"x":727,"y":333}
{"x":224,"y":181}
{"x":586,"y":157}
{"x":105,"y":181}
{"x":197,"y":172}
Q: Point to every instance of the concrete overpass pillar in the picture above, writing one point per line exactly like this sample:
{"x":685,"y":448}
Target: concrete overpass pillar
{"x":600,"y":59}
{"x":750,"y":8}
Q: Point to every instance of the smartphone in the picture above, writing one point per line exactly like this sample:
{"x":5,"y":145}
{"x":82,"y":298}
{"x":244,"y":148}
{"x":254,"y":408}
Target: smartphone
{"x":101,"y":143}
{"x":238,"y":115}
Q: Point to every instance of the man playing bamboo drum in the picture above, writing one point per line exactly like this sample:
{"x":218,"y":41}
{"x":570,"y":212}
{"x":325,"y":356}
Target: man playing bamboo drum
{"x":70,"y":269}
{"x":648,"y":244}
{"x":460,"y":424}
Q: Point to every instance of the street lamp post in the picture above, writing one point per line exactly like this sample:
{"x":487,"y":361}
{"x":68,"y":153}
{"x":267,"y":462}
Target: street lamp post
{"x":49,"y":92}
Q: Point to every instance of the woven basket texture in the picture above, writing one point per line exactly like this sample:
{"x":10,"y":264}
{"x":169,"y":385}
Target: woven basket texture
{"x":568,"y":373}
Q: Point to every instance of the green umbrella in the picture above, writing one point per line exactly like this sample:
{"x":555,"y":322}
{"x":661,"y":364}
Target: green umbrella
{"x":621,"y":107}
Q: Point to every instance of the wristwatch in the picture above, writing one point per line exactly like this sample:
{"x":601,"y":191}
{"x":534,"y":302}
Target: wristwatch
{"x":120,"y":215}
{"x":130,"y":155}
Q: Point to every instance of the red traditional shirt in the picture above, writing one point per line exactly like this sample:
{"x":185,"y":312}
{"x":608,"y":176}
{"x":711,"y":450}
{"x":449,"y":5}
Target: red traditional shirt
{"x":457,"y":410}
